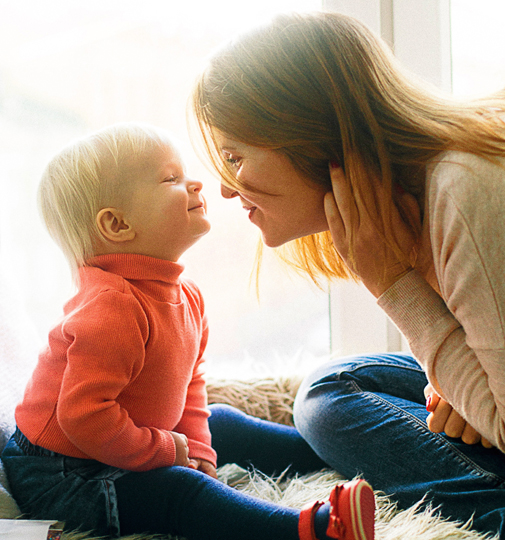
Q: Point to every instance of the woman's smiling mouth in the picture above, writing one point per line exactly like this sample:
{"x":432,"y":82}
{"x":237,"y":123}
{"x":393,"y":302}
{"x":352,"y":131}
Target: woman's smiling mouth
{"x":249,"y":209}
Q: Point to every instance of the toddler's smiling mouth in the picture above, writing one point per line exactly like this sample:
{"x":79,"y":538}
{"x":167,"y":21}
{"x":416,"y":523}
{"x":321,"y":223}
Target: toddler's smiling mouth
{"x":197,"y":206}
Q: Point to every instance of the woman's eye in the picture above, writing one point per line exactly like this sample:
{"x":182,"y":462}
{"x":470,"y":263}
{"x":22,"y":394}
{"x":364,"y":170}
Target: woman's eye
{"x":234,"y":162}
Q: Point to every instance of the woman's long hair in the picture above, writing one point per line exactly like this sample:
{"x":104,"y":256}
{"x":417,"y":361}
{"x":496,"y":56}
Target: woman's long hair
{"x":322,"y":87}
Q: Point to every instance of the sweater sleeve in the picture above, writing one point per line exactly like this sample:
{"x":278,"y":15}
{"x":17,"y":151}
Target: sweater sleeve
{"x":459,"y":337}
{"x":107,"y":345}
{"x":194,"y":421}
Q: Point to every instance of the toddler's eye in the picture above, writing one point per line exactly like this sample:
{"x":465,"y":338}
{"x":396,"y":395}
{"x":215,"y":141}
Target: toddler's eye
{"x":171,"y":179}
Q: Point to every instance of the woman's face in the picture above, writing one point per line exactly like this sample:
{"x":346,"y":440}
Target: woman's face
{"x":292,"y":205}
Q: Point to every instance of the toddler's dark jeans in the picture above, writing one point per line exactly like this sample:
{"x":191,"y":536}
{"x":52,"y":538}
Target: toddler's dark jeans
{"x":91,"y":496}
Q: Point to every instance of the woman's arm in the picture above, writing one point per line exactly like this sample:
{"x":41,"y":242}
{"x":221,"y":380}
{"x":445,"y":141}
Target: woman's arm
{"x":458,"y":339}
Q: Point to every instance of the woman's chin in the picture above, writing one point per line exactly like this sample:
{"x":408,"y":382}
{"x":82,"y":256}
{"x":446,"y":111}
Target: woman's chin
{"x":273,"y":241}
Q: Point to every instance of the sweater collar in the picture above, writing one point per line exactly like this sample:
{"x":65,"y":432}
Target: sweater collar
{"x":132,"y":266}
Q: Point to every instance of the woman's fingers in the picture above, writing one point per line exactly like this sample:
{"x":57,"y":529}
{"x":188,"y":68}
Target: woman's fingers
{"x":358,"y":222}
{"x":470,"y":435}
{"x":444,"y":419}
{"x":338,"y":205}
{"x":428,"y":390}
{"x":432,"y":398}
{"x":455,"y":426}
{"x":485,"y":443}
{"x":437,"y":419}
{"x":335,"y":222}
{"x":342,"y":192}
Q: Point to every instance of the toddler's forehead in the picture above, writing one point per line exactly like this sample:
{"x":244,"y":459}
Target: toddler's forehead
{"x":154,"y":161}
{"x":151,"y":156}
{"x":168,"y":150}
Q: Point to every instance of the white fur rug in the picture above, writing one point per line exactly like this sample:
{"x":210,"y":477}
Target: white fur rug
{"x":272,"y":399}
{"x":391,"y":524}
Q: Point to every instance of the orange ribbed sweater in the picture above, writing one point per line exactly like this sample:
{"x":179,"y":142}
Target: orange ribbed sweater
{"x":123,"y":368}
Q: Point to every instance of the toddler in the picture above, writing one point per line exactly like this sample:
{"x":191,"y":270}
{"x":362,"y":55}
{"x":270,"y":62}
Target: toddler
{"x":113,"y":431}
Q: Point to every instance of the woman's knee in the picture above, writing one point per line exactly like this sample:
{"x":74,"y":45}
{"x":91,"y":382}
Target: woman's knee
{"x":311,"y":402}
{"x":350,"y":375}
{"x":327,"y":373}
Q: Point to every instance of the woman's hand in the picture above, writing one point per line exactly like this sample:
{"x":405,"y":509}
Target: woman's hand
{"x":375,"y":263}
{"x":443,"y":418}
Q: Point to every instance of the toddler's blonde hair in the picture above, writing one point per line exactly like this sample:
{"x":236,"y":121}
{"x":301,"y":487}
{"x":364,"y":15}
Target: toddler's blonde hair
{"x":89,"y":175}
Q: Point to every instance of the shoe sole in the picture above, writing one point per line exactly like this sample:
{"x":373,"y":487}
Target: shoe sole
{"x":361,"y":510}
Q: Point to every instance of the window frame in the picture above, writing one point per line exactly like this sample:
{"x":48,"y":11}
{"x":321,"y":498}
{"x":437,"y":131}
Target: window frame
{"x":354,"y":313}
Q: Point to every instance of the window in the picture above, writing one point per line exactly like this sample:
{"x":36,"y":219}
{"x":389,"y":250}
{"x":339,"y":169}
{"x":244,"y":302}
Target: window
{"x":478,"y":47}
{"x":68,"y":68}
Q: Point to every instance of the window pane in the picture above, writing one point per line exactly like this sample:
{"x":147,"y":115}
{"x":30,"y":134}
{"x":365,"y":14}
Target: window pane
{"x":478,"y":47}
{"x":68,"y":68}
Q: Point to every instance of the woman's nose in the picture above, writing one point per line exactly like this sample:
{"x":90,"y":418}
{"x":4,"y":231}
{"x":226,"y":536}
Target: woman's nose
{"x":228,"y":193}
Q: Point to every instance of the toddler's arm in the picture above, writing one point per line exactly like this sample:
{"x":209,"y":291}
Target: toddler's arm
{"x":194,"y":421}
{"x":97,"y":371}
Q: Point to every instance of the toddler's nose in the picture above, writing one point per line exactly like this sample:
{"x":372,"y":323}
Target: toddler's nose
{"x":195,"y":185}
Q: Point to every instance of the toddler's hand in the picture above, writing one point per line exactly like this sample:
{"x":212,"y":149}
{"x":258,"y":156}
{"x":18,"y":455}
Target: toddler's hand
{"x":203,"y":466}
{"x":181,"y":449}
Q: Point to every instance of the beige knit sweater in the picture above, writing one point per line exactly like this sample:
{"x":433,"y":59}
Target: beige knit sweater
{"x":451,"y":308}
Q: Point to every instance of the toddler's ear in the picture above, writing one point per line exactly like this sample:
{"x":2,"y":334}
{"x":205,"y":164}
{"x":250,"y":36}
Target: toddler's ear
{"x":113,"y":225}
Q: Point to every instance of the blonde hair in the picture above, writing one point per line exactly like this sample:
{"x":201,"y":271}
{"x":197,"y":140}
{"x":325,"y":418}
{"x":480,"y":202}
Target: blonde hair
{"x":322,"y":87}
{"x":87,"y":176}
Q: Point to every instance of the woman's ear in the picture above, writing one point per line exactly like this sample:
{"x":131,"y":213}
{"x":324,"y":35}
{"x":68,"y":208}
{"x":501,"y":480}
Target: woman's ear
{"x":113,"y":226}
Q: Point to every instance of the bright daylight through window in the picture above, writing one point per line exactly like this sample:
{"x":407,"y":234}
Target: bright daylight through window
{"x":68,"y":68}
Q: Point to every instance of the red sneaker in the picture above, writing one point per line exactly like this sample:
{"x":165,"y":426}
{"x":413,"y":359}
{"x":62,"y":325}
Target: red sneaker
{"x":352,"y":513}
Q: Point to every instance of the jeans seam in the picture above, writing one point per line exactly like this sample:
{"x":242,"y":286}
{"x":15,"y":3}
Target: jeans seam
{"x":358,"y":367}
{"x":465,"y":461}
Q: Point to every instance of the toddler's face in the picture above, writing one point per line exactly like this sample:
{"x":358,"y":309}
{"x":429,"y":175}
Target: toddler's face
{"x":167,"y":210}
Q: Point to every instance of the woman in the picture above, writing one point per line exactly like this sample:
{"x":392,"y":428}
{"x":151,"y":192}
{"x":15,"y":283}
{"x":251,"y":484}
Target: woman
{"x":327,"y":144}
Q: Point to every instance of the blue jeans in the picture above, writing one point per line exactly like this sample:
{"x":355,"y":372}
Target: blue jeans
{"x":367,"y":415}
{"x":91,"y":496}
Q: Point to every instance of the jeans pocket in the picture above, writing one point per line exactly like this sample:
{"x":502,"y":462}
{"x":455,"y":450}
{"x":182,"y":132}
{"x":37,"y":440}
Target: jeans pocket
{"x":89,"y":469}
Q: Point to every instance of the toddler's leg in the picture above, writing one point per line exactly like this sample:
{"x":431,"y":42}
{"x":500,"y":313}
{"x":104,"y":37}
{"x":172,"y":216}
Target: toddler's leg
{"x":268,"y":446}
{"x":181,"y":501}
